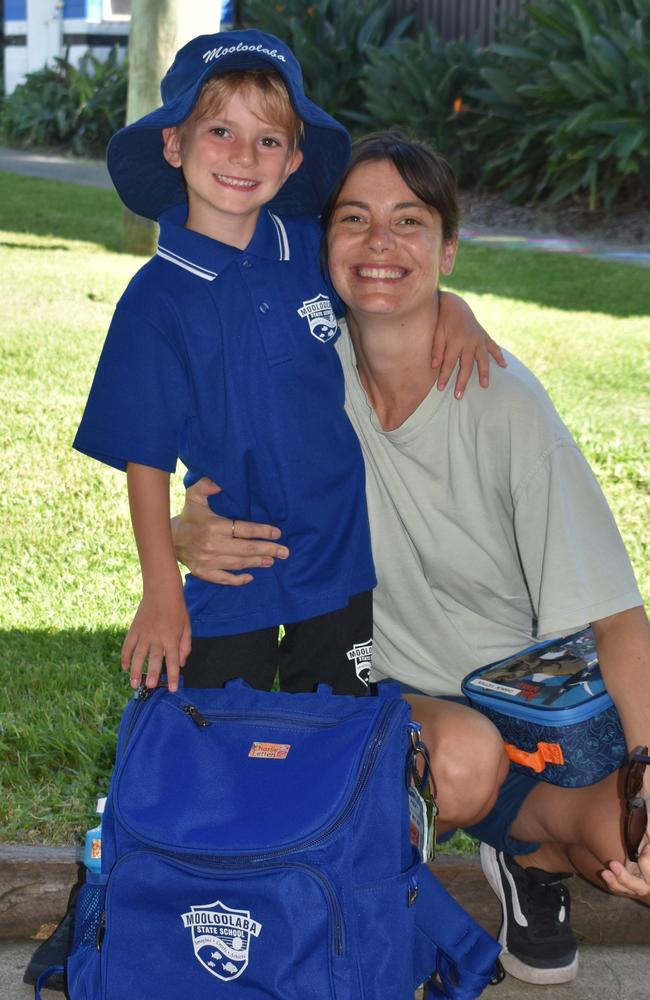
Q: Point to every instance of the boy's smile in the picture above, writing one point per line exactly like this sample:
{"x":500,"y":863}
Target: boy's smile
{"x":233,"y":162}
{"x":239,"y":182}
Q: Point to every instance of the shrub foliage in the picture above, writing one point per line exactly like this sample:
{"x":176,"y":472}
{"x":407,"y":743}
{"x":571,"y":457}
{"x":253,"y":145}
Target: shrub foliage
{"x":559,"y":110}
{"x":331,"y":39}
{"x":421,"y":83}
{"x":567,"y":111}
{"x":65,"y":105}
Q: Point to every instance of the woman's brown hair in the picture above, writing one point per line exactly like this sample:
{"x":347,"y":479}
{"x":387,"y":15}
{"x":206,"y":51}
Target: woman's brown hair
{"x":428,"y":174}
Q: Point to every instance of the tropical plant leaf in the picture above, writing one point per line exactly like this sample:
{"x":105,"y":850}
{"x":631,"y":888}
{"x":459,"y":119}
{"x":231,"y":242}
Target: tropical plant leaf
{"x":72,"y":106}
{"x":585,"y":92}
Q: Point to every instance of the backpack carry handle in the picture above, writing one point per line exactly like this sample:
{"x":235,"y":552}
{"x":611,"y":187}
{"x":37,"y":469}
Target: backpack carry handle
{"x":43,"y":978}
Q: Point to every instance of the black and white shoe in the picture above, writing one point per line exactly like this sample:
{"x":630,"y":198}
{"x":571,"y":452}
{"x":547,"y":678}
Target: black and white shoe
{"x":536,"y":937}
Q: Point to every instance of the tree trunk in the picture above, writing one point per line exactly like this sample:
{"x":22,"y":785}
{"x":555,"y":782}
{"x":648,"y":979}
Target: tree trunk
{"x":158,"y":29}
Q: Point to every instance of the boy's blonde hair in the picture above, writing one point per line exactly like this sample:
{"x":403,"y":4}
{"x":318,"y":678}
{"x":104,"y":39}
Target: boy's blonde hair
{"x":269,"y":86}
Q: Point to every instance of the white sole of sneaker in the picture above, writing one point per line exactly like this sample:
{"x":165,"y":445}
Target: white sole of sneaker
{"x":541,"y":977}
{"x":514,"y":966}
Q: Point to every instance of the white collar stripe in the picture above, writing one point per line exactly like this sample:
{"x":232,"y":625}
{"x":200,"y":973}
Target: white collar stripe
{"x":282,"y":237}
{"x":187,"y":265}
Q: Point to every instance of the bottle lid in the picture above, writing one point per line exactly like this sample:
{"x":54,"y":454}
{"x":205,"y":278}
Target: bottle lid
{"x":101,"y":804}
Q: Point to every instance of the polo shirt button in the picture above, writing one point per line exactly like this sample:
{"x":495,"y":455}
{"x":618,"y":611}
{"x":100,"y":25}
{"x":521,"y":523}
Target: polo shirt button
{"x":264,"y":307}
{"x":246,"y":262}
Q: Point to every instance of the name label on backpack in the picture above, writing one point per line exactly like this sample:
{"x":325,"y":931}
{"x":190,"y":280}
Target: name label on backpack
{"x":272,"y":751}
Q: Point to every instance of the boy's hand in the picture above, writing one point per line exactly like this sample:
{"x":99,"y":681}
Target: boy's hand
{"x":161,"y":628}
{"x":459,"y":336}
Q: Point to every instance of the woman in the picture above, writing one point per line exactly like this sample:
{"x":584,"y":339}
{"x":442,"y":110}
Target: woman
{"x":482,"y":517}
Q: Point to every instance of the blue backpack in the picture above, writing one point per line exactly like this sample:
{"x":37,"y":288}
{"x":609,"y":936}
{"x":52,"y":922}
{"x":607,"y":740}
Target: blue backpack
{"x":257,"y":845}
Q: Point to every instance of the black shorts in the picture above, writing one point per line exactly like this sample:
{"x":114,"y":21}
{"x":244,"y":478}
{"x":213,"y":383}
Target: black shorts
{"x":332,"y":649}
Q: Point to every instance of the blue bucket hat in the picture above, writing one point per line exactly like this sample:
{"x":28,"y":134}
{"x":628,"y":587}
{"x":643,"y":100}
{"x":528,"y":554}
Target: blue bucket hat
{"x":148,"y":185}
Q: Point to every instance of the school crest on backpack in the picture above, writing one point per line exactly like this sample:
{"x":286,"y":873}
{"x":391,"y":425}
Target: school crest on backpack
{"x":320,"y":315}
{"x":221,"y":938}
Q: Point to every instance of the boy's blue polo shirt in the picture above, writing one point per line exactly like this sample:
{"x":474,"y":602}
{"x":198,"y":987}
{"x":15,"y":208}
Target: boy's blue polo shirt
{"x":225,"y":359}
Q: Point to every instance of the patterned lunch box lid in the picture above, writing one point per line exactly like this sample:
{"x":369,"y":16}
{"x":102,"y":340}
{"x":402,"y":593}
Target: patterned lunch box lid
{"x":555,"y":683}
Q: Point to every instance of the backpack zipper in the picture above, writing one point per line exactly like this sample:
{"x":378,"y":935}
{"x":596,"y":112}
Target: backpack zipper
{"x":365,"y":770}
{"x":388,"y":711}
{"x":204,"y":719}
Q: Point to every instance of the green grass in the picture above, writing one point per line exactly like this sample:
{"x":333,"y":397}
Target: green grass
{"x":71,"y":582}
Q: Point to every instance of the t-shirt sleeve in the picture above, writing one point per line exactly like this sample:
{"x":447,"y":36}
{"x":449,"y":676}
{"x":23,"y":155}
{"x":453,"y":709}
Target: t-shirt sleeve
{"x":139,"y":399}
{"x":572,"y":554}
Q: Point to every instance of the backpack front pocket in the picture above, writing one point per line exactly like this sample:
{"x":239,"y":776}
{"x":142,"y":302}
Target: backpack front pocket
{"x":177,"y":929}
{"x":258,"y":779}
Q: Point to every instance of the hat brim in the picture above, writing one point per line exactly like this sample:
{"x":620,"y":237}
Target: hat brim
{"x":148,"y":185}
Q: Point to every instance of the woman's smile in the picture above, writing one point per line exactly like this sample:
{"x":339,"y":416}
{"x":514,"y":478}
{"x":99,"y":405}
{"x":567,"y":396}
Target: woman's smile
{"x":375,"y":272}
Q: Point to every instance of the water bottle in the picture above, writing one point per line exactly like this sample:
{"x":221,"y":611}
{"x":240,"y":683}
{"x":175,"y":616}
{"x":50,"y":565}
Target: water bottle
{"x":93,"y":844}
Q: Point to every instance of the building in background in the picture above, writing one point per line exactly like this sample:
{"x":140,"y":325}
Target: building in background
{"x":482,"y":19}
{"x":36,"y":31}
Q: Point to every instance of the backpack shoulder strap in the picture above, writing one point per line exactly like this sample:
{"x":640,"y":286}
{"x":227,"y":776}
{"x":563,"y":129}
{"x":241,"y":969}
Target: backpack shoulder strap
{"x":454,"y":956}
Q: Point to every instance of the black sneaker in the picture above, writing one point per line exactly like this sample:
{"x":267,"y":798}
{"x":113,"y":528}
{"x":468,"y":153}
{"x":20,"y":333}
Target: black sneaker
{"x":538,"y":943}
{"x":55,"y":950}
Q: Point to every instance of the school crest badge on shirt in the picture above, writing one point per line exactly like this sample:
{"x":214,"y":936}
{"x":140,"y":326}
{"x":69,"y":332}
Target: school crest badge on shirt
{"x":319,"y":314}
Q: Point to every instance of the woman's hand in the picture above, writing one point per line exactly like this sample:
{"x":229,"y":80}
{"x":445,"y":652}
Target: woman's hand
{"x":459,"y":336}
{"x":631,"y":879}
{"x":205,"y":543}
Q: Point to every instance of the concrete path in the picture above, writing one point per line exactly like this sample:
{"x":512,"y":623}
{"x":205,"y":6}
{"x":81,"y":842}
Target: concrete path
{"x":615,"y":934}
{"x":615,"y":973}
{"x":636,"y":255}
{"x":93,"y":173}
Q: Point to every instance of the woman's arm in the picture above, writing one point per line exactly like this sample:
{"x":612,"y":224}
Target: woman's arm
{"x":623,"y":642}
{"x":161,"y":627}
{"x":460,"y":337}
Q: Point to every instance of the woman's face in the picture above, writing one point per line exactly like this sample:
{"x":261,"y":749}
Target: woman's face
{"x":385,"y":245}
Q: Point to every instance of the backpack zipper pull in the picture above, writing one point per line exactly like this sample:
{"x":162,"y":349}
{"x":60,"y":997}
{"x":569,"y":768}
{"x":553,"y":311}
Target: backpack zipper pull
{"x":196,"y":716}
{"x":101,"y":928}
{"x":143,"y":691}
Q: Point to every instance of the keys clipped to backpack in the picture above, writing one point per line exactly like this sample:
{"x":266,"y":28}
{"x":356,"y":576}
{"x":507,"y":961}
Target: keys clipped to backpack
{"x":423,"y":808}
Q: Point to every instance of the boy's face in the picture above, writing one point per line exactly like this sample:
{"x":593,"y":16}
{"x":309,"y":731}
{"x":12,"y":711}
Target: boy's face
{"x":233,"y":163}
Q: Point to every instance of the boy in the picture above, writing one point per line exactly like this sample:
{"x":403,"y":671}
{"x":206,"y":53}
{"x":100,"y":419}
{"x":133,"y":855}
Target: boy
{"x":221,"y":353}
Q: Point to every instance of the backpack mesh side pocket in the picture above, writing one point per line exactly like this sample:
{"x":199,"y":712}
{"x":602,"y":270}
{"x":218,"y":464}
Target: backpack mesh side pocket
{"x":90,"y":904}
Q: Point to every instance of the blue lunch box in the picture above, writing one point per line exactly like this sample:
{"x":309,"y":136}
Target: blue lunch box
{"x":550,"y":704}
